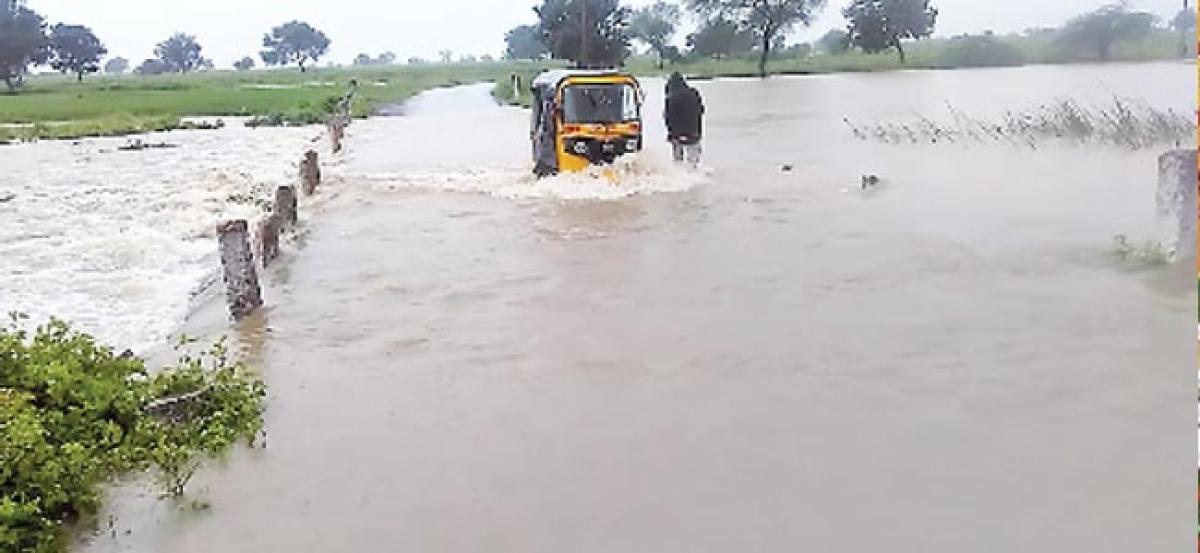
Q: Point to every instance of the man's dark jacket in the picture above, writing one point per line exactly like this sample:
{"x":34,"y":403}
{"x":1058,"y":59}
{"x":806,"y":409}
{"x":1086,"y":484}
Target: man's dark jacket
{"x":685,"y":114}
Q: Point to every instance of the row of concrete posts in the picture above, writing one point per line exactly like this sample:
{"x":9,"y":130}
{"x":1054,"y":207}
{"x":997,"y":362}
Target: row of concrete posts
{"x":240,"y":247}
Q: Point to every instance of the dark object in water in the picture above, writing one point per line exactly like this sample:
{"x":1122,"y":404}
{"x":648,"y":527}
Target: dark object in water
{"x":870,"y":181}
{"x":787,"y":168}
{"x":139,"y":145}
{"x":5,"y":198}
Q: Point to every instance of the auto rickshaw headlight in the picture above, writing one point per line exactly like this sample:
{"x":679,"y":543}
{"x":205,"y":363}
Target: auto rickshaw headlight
{"x":580,"y":147}
{"x":631,"y":145}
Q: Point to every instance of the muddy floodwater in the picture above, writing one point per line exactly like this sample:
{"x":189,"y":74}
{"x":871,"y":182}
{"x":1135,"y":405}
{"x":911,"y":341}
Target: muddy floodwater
{"x":744,"y":358}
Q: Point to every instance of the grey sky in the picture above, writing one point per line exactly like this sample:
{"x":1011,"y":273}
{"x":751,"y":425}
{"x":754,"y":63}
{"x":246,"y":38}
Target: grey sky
{"x":230,"y":29}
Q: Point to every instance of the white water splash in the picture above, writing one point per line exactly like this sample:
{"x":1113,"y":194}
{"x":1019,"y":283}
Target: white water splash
{"x":629,"y":176}
{"x":119,"y":243}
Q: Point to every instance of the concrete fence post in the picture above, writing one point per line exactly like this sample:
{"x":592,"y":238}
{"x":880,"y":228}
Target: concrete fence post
{"x":337,"y":131}
{"x":287,"y":206}
{"x":1176,"y":201}
{"x":310,"y":173}
{"x":269,"y":228}
{"x":242,"y":291}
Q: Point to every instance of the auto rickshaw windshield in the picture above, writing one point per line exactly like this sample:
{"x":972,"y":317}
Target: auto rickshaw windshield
{"x":600,"y":103}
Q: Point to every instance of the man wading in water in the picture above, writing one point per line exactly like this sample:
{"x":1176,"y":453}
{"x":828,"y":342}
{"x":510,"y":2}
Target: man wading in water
{"x":685,"y":115}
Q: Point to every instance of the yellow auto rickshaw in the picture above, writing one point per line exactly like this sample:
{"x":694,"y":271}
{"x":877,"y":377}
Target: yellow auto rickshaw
{"x":583,"y":118}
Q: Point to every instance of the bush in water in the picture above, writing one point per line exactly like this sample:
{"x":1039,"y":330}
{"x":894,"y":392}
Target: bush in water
{"x":73,"y":416}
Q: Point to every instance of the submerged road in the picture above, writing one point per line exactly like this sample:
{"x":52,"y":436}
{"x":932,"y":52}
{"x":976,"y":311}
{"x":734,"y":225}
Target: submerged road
{"x":461,"y":360}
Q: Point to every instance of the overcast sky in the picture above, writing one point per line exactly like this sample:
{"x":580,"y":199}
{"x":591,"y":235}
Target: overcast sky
{"x":230,"y":29}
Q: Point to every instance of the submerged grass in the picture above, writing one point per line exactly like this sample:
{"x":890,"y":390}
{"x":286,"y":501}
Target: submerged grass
{"x":111,"y":125}
{"x":1126,"y":123}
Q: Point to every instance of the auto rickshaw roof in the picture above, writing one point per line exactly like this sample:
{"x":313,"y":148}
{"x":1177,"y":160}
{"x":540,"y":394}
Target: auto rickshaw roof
{"x":553,"y":78}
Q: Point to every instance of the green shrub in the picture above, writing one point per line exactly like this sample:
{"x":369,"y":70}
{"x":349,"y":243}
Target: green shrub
{"x":74,"y":416}
{"x":304,"y":113}
{"x":980,"y":51}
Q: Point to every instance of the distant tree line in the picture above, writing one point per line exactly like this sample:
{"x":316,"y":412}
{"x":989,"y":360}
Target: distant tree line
{"x":26,"y":41}
{"x":386,"y":58}
{"x":601,"y":33}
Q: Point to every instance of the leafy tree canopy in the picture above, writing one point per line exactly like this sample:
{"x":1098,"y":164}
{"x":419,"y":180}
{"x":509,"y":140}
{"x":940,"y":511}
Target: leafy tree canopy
{"x":836,"y":41}
{"x":770,"y":19}
{"x":721,"y":38}
{"x":294,"y":42}
{"x":592,"y":33}
{"x":1098,"y":31}
{"x":524,"y":42}
{"x":116,"y":66}
{"x":75,"y":49}
{"x":23,"y":42}
{"x":882,"y":25}
{"x":181,"y":53}
{"x":655,"y":25}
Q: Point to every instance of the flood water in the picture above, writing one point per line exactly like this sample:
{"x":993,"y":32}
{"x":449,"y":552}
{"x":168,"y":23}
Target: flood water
{"x":120,"y":243}
{"x":740,"y":359}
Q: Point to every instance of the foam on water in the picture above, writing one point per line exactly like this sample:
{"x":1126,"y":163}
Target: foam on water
{"x":120,"y":243}
{"x":629,"y":176}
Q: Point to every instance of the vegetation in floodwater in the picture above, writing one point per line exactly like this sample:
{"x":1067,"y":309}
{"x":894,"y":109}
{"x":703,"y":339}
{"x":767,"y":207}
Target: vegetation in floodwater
{"x":75,"y":416}
{"x":1146,"y":254}
{"x":1125,"y":123}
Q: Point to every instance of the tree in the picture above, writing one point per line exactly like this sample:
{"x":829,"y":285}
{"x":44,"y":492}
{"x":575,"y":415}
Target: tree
{"x":672,"y":54}
{"x":984,"y":50}
{"x":446,"y":56}
{"x":387,"y":58}
{"x":524,"y":43}
{"x":487,"y":58}
{"x":769,"y":19}
{"x":294,"y":42}
{"x":1185,"y":20}
{"x":244,"y":64}
{"x":180,"y":53}
{"x":153,"y":66}
{"x":592,"y":33}
{"x":116,"y":66}
{"x":75,"y":49}
{"x":720,"y":38}
{"x":799,"y":50}
{"x":655,"y":25}
{"x":880,"y":25}
{"x":1103,"y":28}
{"x":363,"y":59}
{"x":23,"y":42}
{"x":417,"y":61}
{"x":836,"y":41}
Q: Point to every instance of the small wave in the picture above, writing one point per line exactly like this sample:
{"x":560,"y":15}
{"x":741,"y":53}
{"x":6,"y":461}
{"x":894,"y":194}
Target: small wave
{"x":629,"y":176}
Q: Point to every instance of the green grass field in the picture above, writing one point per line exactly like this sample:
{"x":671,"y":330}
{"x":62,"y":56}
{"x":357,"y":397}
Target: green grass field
{"x":57,"y":106}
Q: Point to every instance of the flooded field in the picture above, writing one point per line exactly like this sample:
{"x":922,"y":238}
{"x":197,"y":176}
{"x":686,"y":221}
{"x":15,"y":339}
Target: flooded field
{"x":740,"y":359}
{"x":121,"y":242}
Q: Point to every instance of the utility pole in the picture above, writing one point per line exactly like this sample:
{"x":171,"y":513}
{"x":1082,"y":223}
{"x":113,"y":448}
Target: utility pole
{"x":1183,"y":37}
{"x":583,"y":33}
